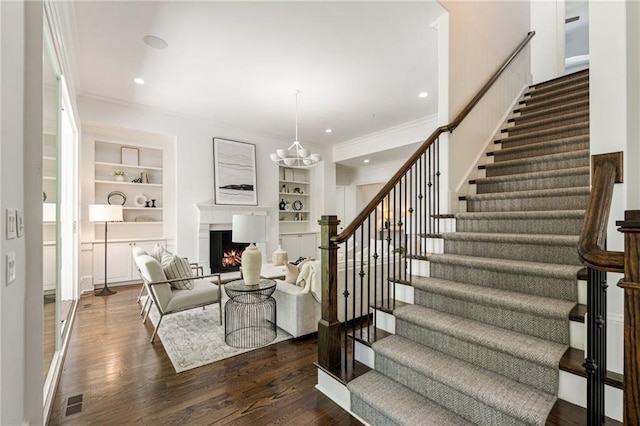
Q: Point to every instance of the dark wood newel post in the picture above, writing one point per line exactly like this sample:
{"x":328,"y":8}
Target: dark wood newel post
{"x":328,"y":325}
{"x":630,"y":227}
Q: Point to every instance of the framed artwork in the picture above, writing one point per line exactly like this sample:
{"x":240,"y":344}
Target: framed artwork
{"x":129,"y":156}
{"x":234,"y":172}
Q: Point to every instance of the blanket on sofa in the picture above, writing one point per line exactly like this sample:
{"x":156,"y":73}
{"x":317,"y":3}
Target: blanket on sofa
{"x":312,"y":279}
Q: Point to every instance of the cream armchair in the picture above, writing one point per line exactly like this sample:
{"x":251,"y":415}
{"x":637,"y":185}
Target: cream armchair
{"x":169,"y":300}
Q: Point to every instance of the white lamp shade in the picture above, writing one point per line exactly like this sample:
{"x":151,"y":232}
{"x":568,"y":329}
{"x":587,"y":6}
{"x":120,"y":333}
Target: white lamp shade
{"x":105,"y":213}
{"x":248,"y":229}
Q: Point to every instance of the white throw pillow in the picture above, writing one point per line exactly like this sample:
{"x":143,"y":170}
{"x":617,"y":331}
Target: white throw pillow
{"x":177,"y":267}
{"x":157,"y":252}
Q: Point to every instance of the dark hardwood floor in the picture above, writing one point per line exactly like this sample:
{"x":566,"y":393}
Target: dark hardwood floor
{"x":123,"y":379}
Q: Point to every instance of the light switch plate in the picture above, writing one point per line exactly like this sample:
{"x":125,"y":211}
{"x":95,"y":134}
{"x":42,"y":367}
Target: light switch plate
{"x":19,"y":223}
{"x":10,"y":225}
{"x":10,"y":267}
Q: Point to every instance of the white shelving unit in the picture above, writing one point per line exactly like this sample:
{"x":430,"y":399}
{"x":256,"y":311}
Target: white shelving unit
{"x":149,"y":170}
{"x":295,"y":213}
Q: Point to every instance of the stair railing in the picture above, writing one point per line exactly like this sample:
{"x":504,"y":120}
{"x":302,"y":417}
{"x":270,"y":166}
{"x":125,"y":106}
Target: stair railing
{"x":378,"y":247}
{"x":606,"y":172}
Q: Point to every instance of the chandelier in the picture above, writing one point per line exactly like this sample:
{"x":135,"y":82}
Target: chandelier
{"x":296,"y":155}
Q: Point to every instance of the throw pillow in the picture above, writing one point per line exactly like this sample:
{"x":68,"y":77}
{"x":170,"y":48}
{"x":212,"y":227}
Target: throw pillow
{"x":157,"y":252}
{"x":178,"y":267}
{"x":292,"y":272}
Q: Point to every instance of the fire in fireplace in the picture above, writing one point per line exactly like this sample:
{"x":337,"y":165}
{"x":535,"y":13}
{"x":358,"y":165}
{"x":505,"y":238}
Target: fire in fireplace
{"x":224,"y":254}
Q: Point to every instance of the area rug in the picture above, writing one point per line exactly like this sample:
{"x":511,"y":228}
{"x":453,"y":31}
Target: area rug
{"x":194,"y":338}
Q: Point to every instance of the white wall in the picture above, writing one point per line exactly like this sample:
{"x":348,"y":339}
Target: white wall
{"x":548,"y":46}
{"x":194,"y":162}
{"x":21,"y":163}
{"x":613,"y":76}
{"x":480,"y":39}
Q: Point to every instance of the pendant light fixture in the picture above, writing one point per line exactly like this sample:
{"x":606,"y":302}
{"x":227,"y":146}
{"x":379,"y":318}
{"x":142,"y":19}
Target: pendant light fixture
{"x":296,"y":155}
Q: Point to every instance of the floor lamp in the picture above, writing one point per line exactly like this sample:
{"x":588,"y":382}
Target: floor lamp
{"x":105,"y":213}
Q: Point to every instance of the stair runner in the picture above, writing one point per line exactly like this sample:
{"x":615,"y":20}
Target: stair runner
{"x":483,"y":341}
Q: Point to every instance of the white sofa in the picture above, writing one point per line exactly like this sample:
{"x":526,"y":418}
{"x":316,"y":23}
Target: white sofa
{"x":298,"y":309}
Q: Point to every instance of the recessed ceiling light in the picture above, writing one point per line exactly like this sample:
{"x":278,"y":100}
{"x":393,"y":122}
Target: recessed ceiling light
{"x":365,"y":161}
{"x":155,"y":42}
{"x":138,"y":80}
{"x":423,"y":94}
{"x":328,"y":130}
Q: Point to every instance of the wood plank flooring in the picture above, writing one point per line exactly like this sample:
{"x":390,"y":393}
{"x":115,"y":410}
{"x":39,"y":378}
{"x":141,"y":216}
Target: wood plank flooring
{"x":126,"y":380}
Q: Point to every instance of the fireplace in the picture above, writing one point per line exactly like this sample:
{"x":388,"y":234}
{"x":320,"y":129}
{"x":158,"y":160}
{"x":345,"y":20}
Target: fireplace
{"x":224,"y":255}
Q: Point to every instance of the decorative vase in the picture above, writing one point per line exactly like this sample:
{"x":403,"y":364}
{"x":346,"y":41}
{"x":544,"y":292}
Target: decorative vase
{"x":120,"y":178}
{"x":282,"y":204}
{"x":279,"y":257}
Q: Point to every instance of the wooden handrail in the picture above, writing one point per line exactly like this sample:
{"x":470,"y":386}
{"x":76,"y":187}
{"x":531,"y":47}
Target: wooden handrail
{"x":607,"y":170}
{"x":355,"y":223}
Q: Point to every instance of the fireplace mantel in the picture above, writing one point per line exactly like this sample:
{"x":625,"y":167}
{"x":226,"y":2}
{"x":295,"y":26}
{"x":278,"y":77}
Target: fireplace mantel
{"x":214,"y":217}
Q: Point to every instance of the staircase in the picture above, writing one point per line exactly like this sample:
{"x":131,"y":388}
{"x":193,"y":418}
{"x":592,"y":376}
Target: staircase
{"x":483,"y":339}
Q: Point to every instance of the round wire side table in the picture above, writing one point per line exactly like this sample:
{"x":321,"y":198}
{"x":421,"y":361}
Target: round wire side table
{"x":250,"y":314}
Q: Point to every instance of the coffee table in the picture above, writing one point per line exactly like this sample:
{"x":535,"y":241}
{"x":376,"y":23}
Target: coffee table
{"x":250,"y":314}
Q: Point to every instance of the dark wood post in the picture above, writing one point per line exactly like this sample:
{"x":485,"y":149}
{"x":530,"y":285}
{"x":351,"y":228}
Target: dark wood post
{"x":328,"y":325}
{"x":631,"y":285}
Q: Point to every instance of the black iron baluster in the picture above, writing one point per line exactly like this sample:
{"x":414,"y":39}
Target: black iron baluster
{"x":596,"y":360}
{"x":437,"y":190}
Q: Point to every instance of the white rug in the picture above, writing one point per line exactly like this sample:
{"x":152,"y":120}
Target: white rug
{"x":194,"y":338}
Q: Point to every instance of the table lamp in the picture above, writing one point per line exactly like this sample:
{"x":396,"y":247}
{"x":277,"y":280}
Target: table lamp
{"x":250,"y":229}
{"x":105,"y":213}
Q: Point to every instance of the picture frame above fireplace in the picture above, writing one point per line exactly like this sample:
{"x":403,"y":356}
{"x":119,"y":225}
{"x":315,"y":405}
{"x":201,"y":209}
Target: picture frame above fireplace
{"x":234,"y":169}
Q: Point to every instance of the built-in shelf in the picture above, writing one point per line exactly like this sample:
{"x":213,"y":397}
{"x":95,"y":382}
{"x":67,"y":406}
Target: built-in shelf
{"x":126,"y":166}
{"x":48,"y":158}
{"x":293,"y":194}
{"x":131,"y":223}
{"x":142,"y":208}
{"x":297,"y":182}
{"x":294,"y":211}
{"x":293,"y":221}
{"x":117,"y":182}
{"x":48,"y":178}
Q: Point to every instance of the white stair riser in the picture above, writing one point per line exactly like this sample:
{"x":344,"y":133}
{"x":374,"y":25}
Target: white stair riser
{"x":577,"y":330}
{"x":573,"y":388}
{"x":385,"y":321}
{"x":364,"y":354}
{"x":337,"y":392}
{"x":419,"y":268}
{"x":404,"y":293}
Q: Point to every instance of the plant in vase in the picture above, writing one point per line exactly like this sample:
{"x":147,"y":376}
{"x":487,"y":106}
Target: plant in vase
{"x":119,"y":175}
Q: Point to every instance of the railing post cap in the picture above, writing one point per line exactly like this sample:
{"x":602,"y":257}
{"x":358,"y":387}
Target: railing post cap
{"x":329,"y":220}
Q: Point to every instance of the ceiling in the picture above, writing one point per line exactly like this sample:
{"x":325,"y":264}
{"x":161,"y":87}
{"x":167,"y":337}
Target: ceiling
{"x":359,"y":65}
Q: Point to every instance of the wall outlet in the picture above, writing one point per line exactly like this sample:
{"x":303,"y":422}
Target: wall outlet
{"x":10,"y":267}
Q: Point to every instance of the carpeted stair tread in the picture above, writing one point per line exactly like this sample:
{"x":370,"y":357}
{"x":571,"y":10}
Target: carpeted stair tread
{"x":548,"y":133}
{"x":573,"y":143}
{"x":550,"y":179}
{"x":460,"y":384}
{"x":577,"y":105}
{"x":537,"y":316}
{"x":550,"y":214}
{"x":533,"y":349}
{"x":533,"y":104}
{"x":379,"y":400}
{"x":544,"y":306}
{"x":541,"y":279}
{"x":520,"y":267}
{"x":560,"y":222}
{"x":579,"y":158}
{"x":547,"y":248}
{"x":578,"y":86}
{"x":559,"y":192}
{"x":530,"y":124}
{"x":561,"y":240}
{"x":567,"y":79}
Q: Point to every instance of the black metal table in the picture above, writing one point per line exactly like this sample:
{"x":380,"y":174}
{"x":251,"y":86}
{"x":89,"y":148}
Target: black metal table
{"x":250,"y":314}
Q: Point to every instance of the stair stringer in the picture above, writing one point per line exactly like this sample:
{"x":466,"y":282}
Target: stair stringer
{"x":463,"y":187}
